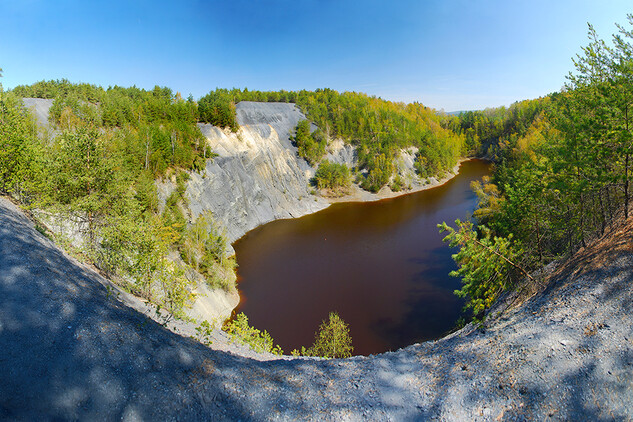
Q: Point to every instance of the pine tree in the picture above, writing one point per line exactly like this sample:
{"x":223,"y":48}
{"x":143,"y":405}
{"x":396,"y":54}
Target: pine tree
{"x":333,"y":339}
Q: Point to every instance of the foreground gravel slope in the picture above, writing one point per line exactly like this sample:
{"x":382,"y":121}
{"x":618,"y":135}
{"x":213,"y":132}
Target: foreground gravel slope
{"x":70,"y":350}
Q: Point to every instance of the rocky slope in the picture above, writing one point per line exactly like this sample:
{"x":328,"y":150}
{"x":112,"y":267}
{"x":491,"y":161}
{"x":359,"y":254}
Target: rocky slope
{"x":70,"y":349}
{"x":39,"y":107}
{"x":257,"y":176}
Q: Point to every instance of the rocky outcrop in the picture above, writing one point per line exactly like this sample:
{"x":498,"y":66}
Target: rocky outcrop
{"x":257,"y":176}
{"x":340,"y":152}
{"x":40,"y":108}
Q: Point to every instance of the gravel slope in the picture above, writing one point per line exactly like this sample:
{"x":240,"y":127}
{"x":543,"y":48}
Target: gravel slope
{"x":71,"y":350}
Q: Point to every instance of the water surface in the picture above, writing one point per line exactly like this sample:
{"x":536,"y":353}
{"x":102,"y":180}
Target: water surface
{"x":381,"y":265}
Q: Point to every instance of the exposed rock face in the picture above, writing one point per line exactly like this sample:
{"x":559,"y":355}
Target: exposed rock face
{"x":40,"y":108}
{"x":341,"y":153}
{"x":258,"y":176}
{"x":212,"y":305}
{"x":406,"y":170}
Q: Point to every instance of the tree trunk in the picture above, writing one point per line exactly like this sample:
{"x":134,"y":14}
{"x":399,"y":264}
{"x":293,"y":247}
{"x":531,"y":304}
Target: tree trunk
{"x":626,"y":186}
{"x":602,"y":213}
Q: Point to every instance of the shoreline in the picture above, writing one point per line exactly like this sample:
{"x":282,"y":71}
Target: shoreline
{"x":360,"y":195}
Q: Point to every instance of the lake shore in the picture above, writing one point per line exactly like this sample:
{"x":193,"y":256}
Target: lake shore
{"x":360,"y":195}
{"x":354,"y":247}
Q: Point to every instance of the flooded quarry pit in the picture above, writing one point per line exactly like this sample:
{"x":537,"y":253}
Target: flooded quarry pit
{"x":381,"y":265}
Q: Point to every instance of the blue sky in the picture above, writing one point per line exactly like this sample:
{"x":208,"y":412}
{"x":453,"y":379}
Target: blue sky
{"x":452,"y":55}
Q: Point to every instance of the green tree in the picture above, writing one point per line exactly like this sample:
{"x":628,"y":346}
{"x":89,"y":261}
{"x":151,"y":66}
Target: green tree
{"x":332,"y":340}
{"x":310,"y":146}
{"x":204,"y":248}
{"x":332,"y":176}
{"x":17,"y":141}
{"x":240,"y":331}
{"x":82,"y":180}
{"x":176,"y":295}
{"x":485,"y":264}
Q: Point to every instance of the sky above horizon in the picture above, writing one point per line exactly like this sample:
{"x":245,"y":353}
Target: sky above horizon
{"x":451,"y":55}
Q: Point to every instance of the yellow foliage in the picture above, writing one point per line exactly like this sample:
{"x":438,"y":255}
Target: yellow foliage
{"x":490,"y":199}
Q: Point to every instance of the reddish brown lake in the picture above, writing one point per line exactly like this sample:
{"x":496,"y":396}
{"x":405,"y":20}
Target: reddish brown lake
{"x":381,"y":265}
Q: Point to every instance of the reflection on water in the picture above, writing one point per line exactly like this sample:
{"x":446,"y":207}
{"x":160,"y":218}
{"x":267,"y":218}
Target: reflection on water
{"x":381,"y":265}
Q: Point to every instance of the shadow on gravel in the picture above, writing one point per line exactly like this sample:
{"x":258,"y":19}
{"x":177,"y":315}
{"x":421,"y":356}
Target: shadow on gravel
{"x":70,"y":351}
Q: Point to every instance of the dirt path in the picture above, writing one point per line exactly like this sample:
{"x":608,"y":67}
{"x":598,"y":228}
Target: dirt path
{"x":70,"y":350}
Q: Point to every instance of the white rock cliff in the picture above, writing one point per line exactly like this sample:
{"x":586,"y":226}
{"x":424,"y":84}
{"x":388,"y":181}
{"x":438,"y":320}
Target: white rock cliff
{"x":257,"y":176}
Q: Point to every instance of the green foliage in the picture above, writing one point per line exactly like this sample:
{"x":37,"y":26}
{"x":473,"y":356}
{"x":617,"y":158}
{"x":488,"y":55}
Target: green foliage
{"x":259,"y":341}
{"x":80,"y":180}
{"x":58,"y":88}
{"x":17,"y":144}
{"x":397,"y":184}
{"x":70,"y":111}
{"x":204,"y":332}
{"x":204,"y":248}
{"x":332,"y":340}
{"x":218,"y":108}
{"x":174,"y":221}
{"x":332,"y":176}
{"x":310,"y":146}
{"x":562,"y":174}
{"x":487,"y":128}
{"x":158,"y":128}
{"x":380,"y":169}
{"x":485,"y":264}
{"x":174,"y":286}
{"x":377,"y":127}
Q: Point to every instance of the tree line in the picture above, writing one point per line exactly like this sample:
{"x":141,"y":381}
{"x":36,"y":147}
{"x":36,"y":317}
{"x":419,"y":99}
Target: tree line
{"x":559,"y":182}
{"x":482,"y":129}
{"x":378,"y":128}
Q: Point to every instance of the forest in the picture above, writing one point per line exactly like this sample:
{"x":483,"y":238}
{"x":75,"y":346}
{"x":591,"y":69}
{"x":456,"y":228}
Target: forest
{"x":378,"y":129}
{"x":561,"y":177}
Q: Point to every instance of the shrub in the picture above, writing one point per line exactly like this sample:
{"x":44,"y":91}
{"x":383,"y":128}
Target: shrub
{"x":332,"y":340}
{"x":332,"y":176}
{"x":259,"y":341}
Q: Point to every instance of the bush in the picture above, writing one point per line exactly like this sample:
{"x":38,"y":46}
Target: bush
{"x":311,"y":146}
{"x":332,"y":340}
{"x":332,"y":176}
{"x":259,"y":341}
{"x":397,"y":184}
